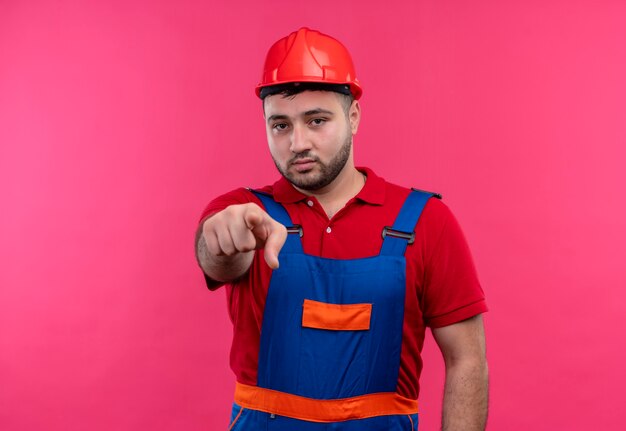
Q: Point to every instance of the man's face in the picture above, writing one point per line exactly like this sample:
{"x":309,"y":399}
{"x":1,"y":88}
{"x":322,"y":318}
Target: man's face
{"x":310,"y":136}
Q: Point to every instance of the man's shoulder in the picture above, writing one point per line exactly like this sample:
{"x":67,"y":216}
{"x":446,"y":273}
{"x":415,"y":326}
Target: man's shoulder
{"x":390,"y":188}
{"x":238,"y":196}
{"x":401,"y":190}
{"x":396,"y":191}
{"x":245,"y":194}
{"x":435,"y":212}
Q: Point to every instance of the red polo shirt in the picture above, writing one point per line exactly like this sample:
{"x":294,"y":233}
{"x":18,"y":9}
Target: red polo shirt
{"x":442,"y":285}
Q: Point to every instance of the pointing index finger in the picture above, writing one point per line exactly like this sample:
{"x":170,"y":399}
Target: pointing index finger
{"x":254,"y":216}
{"x":269,"y":233}
{"x":274,"y":243}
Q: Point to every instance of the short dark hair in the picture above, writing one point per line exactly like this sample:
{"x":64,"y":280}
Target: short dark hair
{"x":294,"y":88}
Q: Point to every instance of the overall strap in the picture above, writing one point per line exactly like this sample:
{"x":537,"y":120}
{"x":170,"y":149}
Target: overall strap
{"x":279,"y":213}
{"x":402,"y":233}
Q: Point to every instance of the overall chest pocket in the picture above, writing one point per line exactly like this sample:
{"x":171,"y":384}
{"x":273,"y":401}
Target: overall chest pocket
{"x":336,"y":317}
{"x":335,"y":349}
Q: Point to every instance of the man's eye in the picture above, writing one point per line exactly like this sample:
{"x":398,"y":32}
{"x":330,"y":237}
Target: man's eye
{"x":280,"y":126}
{"x":318,"y":121}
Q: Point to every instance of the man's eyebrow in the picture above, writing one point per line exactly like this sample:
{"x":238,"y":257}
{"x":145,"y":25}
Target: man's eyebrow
{"x":317,"y":111}
{"x":308,"y":113}
{"x":277,"y":117}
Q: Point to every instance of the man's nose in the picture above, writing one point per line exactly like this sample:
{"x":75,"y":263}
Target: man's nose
{"x":299,"y":140}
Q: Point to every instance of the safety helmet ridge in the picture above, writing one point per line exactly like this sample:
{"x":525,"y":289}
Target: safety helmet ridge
{"x":309,"y":56}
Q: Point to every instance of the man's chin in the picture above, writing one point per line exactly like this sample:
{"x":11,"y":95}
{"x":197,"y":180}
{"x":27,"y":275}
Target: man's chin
{"x":306,"y":182}
{"x":307,"y":175}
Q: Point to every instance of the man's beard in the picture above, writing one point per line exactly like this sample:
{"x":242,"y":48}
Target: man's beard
{"x":327,"y":172}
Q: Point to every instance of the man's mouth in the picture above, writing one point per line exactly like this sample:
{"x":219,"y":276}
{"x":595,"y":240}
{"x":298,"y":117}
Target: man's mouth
{"x":304,"y":164}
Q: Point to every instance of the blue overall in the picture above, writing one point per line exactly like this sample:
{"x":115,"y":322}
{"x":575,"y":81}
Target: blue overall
{"x":325,"y":364}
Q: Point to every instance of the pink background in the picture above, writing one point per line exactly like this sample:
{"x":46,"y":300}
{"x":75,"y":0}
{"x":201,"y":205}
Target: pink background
{"x":120,"y":120}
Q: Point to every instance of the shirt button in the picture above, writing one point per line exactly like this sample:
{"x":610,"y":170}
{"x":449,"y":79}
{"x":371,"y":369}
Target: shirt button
{"x":328,"y":229}
{"x":309,"y":203}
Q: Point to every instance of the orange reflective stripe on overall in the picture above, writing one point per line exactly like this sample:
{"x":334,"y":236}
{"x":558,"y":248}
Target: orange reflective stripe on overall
{"x":314,"y":410}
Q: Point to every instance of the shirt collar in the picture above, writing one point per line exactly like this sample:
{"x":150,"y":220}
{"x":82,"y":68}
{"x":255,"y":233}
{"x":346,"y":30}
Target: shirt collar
{"x":373,"y":192}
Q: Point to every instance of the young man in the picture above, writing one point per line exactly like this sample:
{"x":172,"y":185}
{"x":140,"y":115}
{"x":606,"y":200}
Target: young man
{"x":333,"y":274}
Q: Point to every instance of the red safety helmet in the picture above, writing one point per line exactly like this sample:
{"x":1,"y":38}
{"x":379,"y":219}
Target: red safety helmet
{"x":309,"y":56}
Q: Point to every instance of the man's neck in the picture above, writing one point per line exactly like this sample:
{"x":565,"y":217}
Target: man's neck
{"x":334,"y":196}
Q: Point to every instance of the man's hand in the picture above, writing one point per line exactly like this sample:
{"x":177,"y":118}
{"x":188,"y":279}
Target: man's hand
{"x":228,"y":239}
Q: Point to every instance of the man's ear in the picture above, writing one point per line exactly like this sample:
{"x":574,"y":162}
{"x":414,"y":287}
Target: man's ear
{"x":354,"y":115}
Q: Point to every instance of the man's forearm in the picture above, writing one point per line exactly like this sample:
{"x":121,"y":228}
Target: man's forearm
{"x":466,"y":396}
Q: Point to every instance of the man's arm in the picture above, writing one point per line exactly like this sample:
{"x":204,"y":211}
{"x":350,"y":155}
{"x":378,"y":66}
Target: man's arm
{"x":466,"y":391}
{"x":226,"y":241}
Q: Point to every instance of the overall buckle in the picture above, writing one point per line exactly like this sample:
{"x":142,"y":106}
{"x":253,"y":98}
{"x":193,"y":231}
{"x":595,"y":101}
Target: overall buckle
{"x":296,"y":228}
{"x":388,"y":230}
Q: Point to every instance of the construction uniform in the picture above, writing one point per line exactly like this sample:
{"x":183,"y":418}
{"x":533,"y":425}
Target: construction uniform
{"x":330,"y":343}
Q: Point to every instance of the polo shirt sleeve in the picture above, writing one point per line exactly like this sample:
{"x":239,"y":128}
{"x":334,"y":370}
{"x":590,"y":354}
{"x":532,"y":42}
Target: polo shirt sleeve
{"x":452,"y":291}
{"x":235,"y":197}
